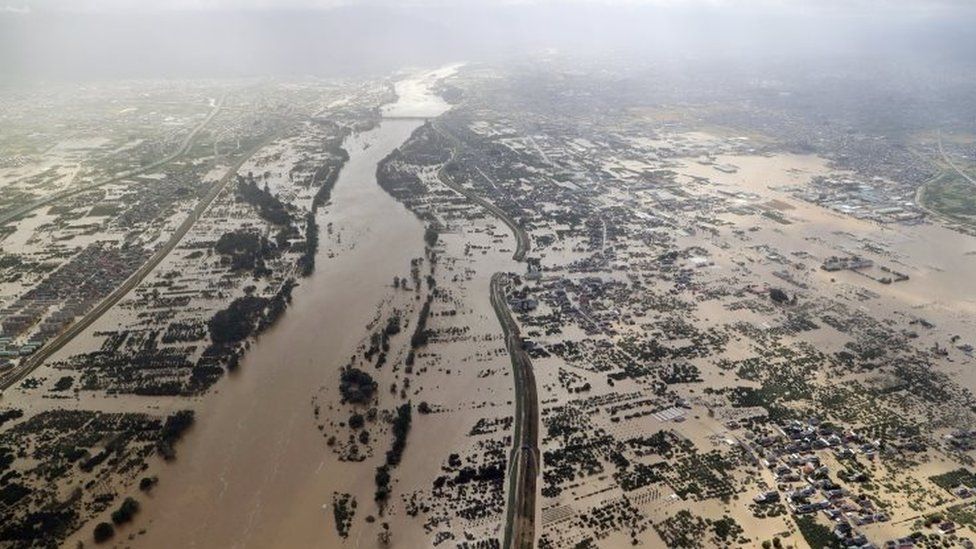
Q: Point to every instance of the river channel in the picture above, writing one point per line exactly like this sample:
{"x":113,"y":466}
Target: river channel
{"x":254,"y":471}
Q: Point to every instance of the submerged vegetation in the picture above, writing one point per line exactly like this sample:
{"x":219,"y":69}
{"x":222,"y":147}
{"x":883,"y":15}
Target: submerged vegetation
{"x":400,"y":429}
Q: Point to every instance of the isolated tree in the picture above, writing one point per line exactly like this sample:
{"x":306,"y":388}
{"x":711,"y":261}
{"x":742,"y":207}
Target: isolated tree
{"x":103,"y":532}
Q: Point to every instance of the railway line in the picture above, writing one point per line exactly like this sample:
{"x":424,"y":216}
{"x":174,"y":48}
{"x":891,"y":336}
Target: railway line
{"x":62,"y":339}
{"x":185,"y":146}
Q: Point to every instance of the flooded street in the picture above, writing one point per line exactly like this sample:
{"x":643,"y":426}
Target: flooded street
{"x":252,"y":472}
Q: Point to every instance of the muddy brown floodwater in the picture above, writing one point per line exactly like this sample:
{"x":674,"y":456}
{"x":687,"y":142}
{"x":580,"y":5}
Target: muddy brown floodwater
{"x":254,"y":471}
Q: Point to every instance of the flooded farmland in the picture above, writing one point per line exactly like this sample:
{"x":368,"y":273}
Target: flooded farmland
{"x":252,"y":473}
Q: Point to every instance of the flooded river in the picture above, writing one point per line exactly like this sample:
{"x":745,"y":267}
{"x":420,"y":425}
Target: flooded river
{"x":254,"y":471}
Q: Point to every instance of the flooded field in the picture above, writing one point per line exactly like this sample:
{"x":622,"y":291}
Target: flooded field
{"x":938,"y":260}
{"x":251,"y":474}
{"x":256,"y":471}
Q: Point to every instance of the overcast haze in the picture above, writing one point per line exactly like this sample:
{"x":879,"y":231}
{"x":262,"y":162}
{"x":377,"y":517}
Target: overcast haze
{"x":60,"y":39}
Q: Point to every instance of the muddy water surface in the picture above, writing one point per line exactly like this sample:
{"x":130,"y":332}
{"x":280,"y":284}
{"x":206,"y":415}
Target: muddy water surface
{"x":254,"y":471}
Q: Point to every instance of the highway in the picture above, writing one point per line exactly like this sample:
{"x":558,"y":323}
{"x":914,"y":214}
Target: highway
{"x":952,"y":164}
{"x":920,"y":190}
{"x":54,"y":345}
{"x":524,"y":462}
{"x":521,"y":237}
{"x":25,"y":209}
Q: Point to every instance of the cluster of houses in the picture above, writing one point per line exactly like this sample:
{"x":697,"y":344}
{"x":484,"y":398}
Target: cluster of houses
{"x":47,"y":309}
{"x":806,"y":483}
{"x":852,"y":263}
{"x":962,"y":440}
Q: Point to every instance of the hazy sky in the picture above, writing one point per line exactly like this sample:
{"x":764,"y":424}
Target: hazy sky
{"x":42,"y":39}
{"x":27,"y":6}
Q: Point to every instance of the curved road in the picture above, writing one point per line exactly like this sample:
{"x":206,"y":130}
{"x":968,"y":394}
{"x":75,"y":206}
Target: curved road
{"x":521,"y":237}
{"x":920,"y":191}
{"x":53,"y":346}
{"x":21,"y":211}
{"x":524,"y":460}
{"x":953,"y":164}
